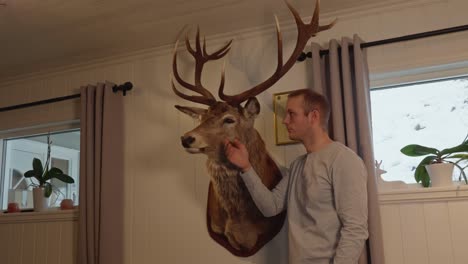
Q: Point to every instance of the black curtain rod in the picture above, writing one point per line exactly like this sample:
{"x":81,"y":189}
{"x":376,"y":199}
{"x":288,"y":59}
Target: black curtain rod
{"x":123,"y":87}
{"x":438,"y":32}
{"x":128,"y":85}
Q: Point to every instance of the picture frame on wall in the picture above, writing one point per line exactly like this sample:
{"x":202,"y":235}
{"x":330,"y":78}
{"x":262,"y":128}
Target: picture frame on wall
{"x":279,"y":109}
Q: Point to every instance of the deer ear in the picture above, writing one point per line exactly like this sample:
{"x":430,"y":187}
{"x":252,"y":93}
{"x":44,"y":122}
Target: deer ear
{"x":252,"y":108}
{"x":194,"y":112}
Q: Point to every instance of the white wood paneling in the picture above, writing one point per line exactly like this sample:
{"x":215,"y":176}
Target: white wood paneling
{"x":391,"y":224}
{"x":15,"y":243}
{"x":439,"y":238}
{"x":458,"y":215}
{"x":413,"y":228}
{"x":29,"y":245}
{"x":425,"y":226}
{"x":40,"y":238}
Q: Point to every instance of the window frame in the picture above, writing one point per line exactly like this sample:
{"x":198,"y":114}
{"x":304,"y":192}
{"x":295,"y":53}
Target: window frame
{"x":23,"y":134}
{"x":412,"y":76}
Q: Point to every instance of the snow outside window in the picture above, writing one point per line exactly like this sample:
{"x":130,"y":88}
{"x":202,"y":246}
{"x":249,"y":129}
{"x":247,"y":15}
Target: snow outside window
{"x":432,"y":114}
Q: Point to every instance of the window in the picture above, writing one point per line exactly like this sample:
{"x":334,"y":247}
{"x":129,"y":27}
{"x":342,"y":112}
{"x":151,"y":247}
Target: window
{"x":433,"y":114}
{"x":17,"y":157}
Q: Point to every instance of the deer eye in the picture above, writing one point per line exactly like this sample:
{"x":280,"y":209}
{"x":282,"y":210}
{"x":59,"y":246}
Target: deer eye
{"x":229,"y":120}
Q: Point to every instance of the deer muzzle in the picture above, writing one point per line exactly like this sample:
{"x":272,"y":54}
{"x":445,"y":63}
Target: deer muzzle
{"x":187,"y":141}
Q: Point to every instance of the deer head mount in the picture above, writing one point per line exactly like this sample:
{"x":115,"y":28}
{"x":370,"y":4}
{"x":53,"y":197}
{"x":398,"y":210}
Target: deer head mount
{"x":233,"y":219}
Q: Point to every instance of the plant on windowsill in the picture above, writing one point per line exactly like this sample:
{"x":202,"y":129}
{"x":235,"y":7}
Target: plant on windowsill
{"x":43,"y":189}
{"x":436,"y":169}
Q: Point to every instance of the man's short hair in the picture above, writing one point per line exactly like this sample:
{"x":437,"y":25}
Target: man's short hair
{"x":314,"y":101}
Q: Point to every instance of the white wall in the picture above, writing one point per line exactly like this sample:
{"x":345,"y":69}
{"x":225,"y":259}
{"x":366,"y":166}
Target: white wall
{"x":39,"y":237}
{"x":425,"y":225}
{"x":166,"y":188}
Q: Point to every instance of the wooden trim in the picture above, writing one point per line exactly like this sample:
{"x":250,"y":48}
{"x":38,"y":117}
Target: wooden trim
{"x":52,"y":215}
{"x":420,"y":195}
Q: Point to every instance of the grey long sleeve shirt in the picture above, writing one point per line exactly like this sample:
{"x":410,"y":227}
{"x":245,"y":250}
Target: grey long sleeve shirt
{"x":325,"y":194}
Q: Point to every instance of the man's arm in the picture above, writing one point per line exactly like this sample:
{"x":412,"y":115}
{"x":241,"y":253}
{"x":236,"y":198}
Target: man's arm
{"x":269,"y":202}
{"x":350,"y":193}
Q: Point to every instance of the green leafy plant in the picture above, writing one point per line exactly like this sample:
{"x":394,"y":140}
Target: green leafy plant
{"x":43,"y":174}
{"x":454,"y":155}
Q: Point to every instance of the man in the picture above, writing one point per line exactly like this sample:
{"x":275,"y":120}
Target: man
{"x":324,"y":192}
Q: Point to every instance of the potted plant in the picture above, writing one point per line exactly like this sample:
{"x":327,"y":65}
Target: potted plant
{"x":43,"y":189}
{"x":438,"y":162}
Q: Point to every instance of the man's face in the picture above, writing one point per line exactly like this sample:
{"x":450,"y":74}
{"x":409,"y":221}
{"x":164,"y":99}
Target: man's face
{"x":295,"y":120}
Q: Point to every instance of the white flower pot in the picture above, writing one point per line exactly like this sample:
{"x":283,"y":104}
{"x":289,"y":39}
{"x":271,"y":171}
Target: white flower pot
{"x":440,"y":174}
{"x":41,"y":203}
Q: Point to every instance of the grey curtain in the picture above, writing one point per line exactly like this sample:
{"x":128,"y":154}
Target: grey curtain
{"x":100,"y":236}
{"x":343,"y":77}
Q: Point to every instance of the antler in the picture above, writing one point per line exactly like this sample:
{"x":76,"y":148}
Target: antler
{"x":201,"y":57}
{"x":304,"y":33}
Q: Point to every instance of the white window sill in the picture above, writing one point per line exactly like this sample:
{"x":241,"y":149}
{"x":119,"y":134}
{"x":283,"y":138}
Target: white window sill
{"x":51,"y":215}
{"x":415,"y":193}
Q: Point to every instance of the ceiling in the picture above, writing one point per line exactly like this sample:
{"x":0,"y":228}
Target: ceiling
{"x":36,"y":35}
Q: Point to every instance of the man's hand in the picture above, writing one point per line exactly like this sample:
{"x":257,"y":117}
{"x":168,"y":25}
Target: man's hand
{"x":237,"y":154}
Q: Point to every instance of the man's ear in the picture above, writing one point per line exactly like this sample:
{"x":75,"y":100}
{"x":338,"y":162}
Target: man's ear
{"x":194,"y":112}
{"x":251,"y":108}
{"x":313,"y":116}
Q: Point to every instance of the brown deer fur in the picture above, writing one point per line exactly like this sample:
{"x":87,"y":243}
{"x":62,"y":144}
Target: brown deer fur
{"x":232,"y":215}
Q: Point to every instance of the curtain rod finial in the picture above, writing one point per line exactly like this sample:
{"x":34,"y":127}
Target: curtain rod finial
{"x":123,"y":87}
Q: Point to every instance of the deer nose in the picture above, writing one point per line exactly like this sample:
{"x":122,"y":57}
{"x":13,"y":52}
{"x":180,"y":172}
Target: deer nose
{"x":187,"y":140}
